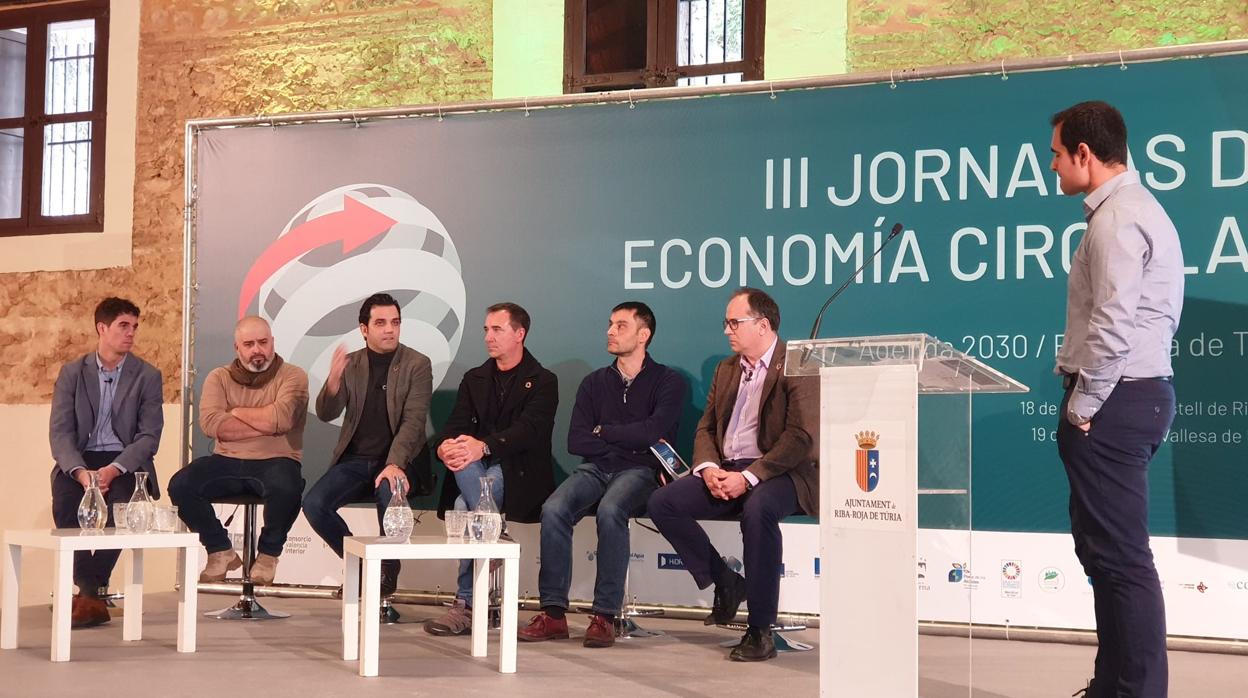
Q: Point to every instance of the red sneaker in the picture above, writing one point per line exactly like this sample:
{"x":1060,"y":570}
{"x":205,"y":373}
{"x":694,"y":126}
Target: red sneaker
{"x":543,"y":627}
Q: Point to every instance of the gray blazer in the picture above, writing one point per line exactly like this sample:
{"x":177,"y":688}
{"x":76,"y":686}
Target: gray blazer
{"x":137,"y":416}
{"x":409,"y":390}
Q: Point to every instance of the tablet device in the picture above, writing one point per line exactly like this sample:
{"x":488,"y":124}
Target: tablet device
{"x":671,"y":461}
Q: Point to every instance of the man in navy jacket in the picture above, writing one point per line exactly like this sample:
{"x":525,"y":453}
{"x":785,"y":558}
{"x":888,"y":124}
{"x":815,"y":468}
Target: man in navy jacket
{"x":620,"y":411}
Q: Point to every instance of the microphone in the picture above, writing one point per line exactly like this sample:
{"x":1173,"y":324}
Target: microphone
{"x":108,"y":380}
{"x":814,"y":331}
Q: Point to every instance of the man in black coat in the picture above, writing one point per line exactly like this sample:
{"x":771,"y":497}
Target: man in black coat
{"x":500,"y":428}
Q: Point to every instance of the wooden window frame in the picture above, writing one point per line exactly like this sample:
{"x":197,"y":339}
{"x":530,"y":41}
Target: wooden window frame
{"x":36,"y":20}
{"x":661,"y":68}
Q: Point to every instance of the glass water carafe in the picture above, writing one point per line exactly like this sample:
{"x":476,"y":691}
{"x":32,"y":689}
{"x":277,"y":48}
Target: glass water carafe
{"x":139,"y":512}
{"x":93,"y":510}
{"x":398,"y":520}
{"x":487,"y":522}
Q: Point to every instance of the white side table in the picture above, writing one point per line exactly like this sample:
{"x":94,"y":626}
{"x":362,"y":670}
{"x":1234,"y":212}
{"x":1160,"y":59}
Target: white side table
{"x":360,"y":633}
{"x":63,"y":542}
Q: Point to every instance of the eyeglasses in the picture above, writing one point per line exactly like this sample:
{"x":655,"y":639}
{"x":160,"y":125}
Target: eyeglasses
{"x":733,"y":323}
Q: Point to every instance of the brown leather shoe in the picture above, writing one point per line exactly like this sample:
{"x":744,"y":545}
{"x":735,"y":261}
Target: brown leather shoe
{"x":219,"y":564}
{"x":263,"y":569}
{"x":543,"y":627}
{"x":601,"y":632}
{"x":88,"y":612}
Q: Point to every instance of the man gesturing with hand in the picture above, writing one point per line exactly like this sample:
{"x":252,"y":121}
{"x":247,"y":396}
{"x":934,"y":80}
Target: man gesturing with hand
{"x":384,"y":390}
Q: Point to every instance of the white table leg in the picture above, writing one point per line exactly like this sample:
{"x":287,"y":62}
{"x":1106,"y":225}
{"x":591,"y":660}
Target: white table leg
{"x":62,"y":594}
{"x":350,"y":607}
{"x":9,"y":610}
{"x":132,"y":620}
{"x":480,"y":605}
{"x":188,"y":603}
{"x":370,"y":620}
{"x":511,"y":603}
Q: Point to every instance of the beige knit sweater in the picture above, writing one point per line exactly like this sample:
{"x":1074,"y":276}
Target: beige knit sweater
{"x":286,"y":394}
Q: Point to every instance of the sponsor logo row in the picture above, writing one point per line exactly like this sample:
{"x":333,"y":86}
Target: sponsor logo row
{"x":1010,"y":576}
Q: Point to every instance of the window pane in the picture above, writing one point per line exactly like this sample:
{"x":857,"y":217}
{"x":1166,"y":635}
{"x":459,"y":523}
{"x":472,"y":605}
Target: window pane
{"x":12,"y":72}
{"x":71,"y":67}
{"x":615,"y":36}
{"x":66,"y":168}
{"x":733,"y":30}
{"x":705,"y":80}
{"x":709,"y":31}
{"x":11,"y":172}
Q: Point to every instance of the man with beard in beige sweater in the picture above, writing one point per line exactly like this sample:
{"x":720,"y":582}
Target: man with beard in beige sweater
{"x":254,"y":408}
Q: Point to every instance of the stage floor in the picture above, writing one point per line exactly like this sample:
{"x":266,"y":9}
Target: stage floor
{"x":299,"y":657}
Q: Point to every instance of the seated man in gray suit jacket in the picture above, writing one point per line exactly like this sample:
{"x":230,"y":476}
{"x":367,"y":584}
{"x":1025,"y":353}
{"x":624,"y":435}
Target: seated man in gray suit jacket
{"x":106,"y":418}
{"x":385,"y":389}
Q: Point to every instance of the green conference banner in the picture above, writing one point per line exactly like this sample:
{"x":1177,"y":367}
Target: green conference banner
{"x":571,"y":210}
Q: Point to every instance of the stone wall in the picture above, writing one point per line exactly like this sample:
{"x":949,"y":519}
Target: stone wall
{"x":210,"y":58}
{"x":887,"y":34}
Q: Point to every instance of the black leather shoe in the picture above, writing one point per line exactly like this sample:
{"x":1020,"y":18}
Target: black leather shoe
{"x":390,"y":577}
{"x":756,"y":646}
{"x":728,"y":598}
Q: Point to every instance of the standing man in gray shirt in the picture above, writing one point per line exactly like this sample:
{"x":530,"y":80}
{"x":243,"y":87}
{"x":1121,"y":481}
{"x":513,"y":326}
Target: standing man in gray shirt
{"x":1125,"y":295}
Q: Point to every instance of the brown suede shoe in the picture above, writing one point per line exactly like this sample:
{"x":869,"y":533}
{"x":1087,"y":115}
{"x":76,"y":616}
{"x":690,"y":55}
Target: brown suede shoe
{"x":220,"y":564}
{"x":88,"y":612}
{"x":601,"y":632}
{"x":263,"y":569}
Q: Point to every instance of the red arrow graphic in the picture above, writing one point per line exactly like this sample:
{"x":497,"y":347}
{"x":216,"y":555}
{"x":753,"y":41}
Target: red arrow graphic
{"x":354,"y":225}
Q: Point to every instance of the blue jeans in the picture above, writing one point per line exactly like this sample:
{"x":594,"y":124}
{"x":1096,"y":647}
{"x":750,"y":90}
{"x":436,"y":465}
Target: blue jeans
{"x":278,"y":480}
{"x":615,"y":497}
{"x":346,"y":481}
{"x":469,"y":482}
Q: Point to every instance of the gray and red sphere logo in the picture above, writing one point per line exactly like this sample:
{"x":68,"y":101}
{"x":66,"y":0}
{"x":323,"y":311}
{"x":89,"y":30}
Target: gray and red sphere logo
{"x":339,"y":249}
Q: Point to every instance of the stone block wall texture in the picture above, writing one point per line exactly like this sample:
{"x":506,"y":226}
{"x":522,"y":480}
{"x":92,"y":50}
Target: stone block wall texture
{"x":212,"y":58}
{"x":887,"y":34}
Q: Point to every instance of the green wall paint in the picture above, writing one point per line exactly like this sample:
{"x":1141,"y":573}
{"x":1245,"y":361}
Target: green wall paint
{"x":528,"y":48}
{"x":804,"y":38}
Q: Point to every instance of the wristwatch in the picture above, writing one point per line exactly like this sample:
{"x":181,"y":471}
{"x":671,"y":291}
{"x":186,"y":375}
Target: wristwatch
{"x":485,"y":450}
{"x":597,"y":430}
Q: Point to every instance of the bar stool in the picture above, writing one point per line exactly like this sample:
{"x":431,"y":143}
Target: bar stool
{"x":389,"y":615}
{"x":421,"y":482}
{"x":625,"y":627}
{"x":247,"y":607}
